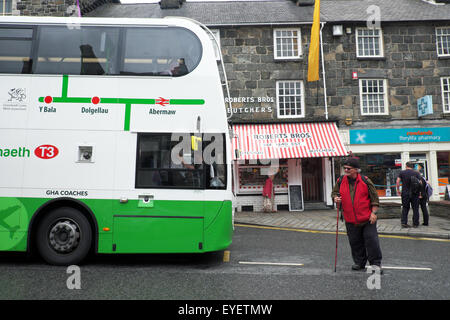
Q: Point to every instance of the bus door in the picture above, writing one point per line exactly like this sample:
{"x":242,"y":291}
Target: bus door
{"x":165,"y":209}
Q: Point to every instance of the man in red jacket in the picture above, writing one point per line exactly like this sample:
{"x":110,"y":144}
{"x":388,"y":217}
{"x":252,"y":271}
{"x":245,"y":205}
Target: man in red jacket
{"x":359,"y":202}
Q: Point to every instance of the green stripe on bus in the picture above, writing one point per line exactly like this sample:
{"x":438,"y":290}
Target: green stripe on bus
{"x":72,"y":100}
{"x":214,"y":228}
{"x":127,"y":117}
{"x":65,"y":86}
{"x":136,"y":101}
{"x":187,"y":101}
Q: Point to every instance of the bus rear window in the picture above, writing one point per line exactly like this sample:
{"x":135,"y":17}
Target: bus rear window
{"x":15,"y":50}
{"x":167,"y":51}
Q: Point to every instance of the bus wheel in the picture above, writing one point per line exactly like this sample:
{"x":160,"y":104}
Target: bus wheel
{"x":64,"y":237}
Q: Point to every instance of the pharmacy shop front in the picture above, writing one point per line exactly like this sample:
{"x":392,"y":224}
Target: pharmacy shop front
{"x":383,"y":153}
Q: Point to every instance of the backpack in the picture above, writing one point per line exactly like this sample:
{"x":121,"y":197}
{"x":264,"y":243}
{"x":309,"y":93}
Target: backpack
{"x":414,"y":186}
{"x":428,"y":191}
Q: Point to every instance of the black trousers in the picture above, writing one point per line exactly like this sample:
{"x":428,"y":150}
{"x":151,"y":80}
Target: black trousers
{"x":364,"y":243}
{"x":408,"y":200}
{"x":423,"y":206}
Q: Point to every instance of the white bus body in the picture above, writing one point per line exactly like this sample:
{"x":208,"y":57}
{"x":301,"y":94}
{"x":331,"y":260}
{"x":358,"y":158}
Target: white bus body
{"x":85,"y":145}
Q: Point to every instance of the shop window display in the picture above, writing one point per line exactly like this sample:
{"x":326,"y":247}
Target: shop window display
{"x":253,"y":174}
{"x":382,"y":169}
{"x":443,"y":161}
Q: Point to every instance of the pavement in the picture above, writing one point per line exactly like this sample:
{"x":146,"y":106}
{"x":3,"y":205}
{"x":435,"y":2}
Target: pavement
{"x":325,"y":220}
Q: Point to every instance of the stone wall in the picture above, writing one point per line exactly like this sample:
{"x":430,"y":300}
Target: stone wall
{"x":252,"y":72}
{"x":410,"y":65}
{"x":440,"y":209}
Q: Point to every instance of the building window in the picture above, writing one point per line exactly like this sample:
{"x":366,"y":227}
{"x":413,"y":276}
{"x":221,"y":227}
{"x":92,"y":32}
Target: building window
{"x":5,"y":7}
{"x":290,"y":99}
{"x":287,"y":44}
{"x":369,"y":43}
{"x":445,"y":84}
{"x":443,"y":42}
{"x":373,"y":96}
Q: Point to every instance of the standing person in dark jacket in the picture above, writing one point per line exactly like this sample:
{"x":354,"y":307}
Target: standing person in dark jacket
{"x":408,"y":196}
{"x":359,"y":201}
{"x":423,"y":199}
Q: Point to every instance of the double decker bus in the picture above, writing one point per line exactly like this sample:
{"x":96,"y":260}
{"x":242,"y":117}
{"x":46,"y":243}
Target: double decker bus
{"x":113,"y":138}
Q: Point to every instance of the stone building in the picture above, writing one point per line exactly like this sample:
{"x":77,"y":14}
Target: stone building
{"x":382,"y":63}
{"x":389,"y":86}
{"x":379,"y":58}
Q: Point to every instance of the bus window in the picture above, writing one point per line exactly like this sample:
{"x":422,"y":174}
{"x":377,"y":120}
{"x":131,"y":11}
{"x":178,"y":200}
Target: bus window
{"x":160,"y":51}
{"x":15,"y":50}
{"x":87,"y":50}
{"x":214,"y":159}
{"x":162,"y":164}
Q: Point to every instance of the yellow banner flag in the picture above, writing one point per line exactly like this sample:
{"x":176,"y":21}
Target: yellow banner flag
{"x":313,"y":56}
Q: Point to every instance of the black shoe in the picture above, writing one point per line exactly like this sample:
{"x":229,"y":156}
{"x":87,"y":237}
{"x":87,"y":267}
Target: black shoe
{"x":415,"y":226}
{"x":425,"y":224}
{"x":357,"y":267}
{"x":406,"y":226}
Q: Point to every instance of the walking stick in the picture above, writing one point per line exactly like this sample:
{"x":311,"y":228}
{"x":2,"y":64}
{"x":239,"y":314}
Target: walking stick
{"x":337,"y":224}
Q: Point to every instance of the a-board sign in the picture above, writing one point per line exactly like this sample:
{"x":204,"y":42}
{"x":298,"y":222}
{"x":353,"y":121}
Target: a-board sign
{"x":295,"y":198}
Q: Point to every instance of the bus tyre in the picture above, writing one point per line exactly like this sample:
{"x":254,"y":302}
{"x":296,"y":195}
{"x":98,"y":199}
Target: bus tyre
{"x":64,"y":237}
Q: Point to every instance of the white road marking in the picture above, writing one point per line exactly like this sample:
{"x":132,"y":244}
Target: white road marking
{"x":272,"y":263}
{"x":406,"y":268}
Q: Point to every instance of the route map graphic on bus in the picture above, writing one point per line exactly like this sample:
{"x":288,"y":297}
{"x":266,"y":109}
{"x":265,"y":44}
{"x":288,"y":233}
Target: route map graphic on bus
{"x":127,"y":101}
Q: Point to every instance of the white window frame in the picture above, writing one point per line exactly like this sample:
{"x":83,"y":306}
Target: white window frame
{"x":3,"y":6}
{"x":385,"y":98}
{"x":216,"y":33}
{"x":443,"y":39}
{"x":292,"y":44}
{"x":302,"y":99}
{"x":445,"y":94}
{"x":380,"y":41}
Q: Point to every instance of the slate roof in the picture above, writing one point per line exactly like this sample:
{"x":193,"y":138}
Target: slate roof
{"x":281,"y":11}
{"x":391,"y":10}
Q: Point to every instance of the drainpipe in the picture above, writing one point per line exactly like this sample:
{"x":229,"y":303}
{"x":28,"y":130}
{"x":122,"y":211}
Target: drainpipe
{"x":323,"y":72}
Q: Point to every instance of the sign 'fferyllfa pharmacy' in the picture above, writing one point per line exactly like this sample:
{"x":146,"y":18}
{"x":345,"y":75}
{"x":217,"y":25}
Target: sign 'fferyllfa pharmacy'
{"x":400,"y":135}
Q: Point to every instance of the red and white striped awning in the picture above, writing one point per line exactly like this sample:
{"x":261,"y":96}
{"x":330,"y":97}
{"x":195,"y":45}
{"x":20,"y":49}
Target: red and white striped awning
{"x":287,"y":141}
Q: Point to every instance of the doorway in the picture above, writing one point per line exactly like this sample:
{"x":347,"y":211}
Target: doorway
{"x":420,"y":163}
{"x":312,"y":179}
